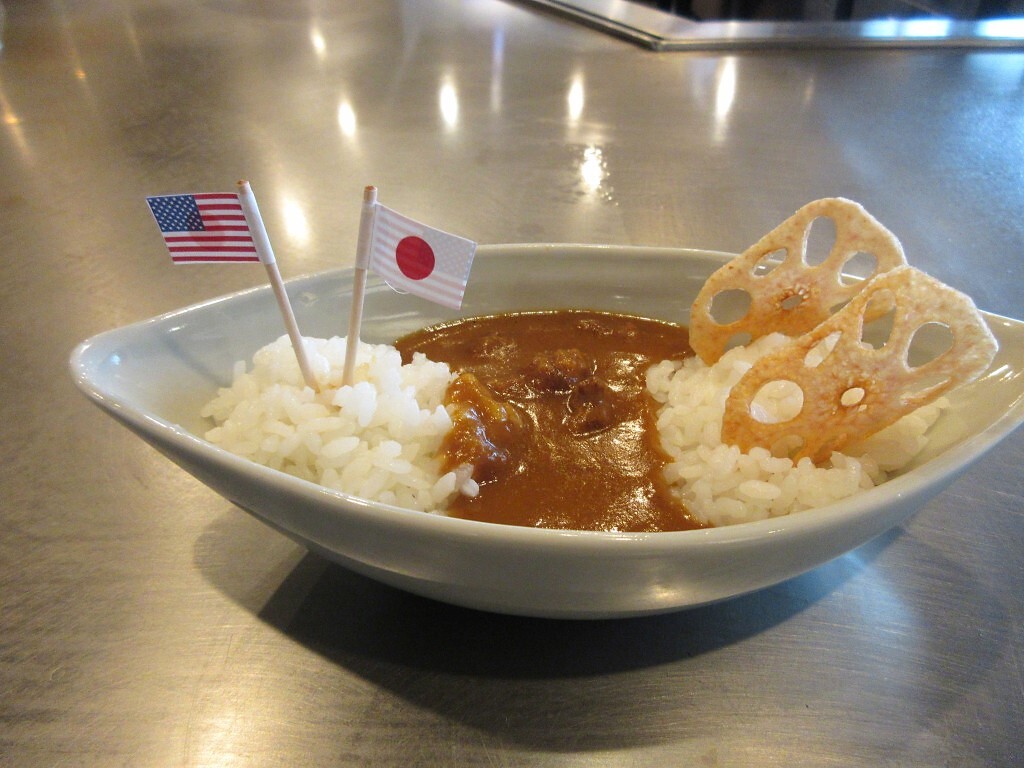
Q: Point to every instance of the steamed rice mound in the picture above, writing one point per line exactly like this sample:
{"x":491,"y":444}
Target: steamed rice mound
{"x":377,"y":439}
{"x":721,"y":485}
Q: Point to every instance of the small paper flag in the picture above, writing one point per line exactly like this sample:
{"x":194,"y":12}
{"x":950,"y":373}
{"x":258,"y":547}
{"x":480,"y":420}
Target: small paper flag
{"x":204,"y":228}
{"x":418,"y":259}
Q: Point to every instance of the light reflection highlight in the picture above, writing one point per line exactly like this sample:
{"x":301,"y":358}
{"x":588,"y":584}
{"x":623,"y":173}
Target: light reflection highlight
{"x":908,"y":28}
{"x":809,"y":91}
{"x":128,"y":23}
{"x":725,"y":87}
{"x":497,"y":68}
{"x":997,"y":28}
{"x":347,"y":119}
{"x":592,"y":169}
{"x":725,"y":95}
{"x":296,"y":225}
{"x":12,"y":122}
{"x":576,"y":98}
{"x":73,"y":56}
{"x":1004,"y":373}
{"x":448,"y":101}
{"x":316,"y":39}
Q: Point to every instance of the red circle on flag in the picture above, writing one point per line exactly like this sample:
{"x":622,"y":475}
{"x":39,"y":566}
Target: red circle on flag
{"x":415,"y":257}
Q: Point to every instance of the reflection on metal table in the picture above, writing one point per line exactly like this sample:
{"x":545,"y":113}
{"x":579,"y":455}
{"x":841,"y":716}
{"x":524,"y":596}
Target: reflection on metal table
{"x":145,"y":620}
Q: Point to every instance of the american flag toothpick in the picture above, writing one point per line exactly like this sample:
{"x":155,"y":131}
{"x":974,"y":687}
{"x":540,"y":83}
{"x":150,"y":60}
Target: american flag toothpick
{"x":226,"y":228}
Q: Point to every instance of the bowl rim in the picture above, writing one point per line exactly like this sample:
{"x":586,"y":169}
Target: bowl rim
{"x":938,"y":470}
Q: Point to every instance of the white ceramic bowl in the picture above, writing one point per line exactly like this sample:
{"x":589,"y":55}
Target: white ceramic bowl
{"x":154,"y":376}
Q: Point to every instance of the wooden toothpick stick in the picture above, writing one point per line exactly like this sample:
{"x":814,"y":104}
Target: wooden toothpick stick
{"x":355,"y":319}
{"x":266,"y":256}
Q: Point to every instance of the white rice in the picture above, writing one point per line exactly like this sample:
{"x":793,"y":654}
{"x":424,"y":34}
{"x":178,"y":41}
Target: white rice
{"x":721,"y":485}
{"x":376,"y":439}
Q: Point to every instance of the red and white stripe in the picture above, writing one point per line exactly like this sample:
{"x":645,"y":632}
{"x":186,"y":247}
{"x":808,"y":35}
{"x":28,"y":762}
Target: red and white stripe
{"x":226,"y":237}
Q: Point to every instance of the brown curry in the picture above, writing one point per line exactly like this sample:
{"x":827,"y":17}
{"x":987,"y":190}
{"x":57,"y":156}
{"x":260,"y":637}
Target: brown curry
{"x":552,"y":410}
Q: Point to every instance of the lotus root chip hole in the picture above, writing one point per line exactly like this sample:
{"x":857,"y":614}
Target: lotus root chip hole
{"x":851,"y":397}
{"x":879,"y":318}
{"x":739,"y":340}
{"x":929,"y":342}
{"x":769,"y":262}
{"x":859,"y":266}
{"x":816,"y":355}
{"x":819,"y":241}
{"x":730,"y":305}
{"x":777,"y":402}
{"x":792,"y":301}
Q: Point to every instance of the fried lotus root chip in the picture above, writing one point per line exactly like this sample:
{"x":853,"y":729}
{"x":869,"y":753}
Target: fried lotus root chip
{"x":793,"y":297}
{"x":851,"y":388}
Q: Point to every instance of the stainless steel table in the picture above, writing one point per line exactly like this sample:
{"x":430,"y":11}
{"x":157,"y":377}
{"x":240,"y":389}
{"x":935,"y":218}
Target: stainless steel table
{"x":144,"y":621}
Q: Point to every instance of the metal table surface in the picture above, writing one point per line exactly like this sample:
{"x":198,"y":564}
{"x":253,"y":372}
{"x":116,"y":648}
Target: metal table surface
{"x":145,"y":621}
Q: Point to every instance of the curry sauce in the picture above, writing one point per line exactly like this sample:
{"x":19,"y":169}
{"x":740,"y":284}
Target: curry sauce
{"x":551,"y":409}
